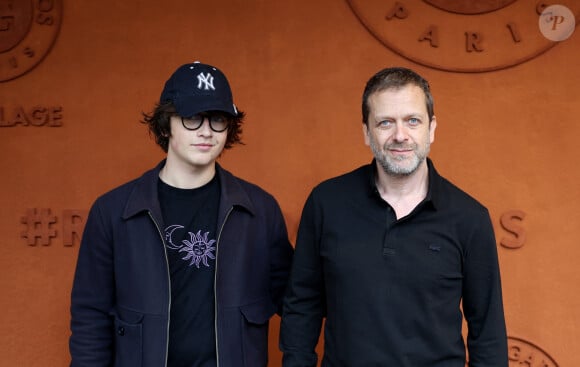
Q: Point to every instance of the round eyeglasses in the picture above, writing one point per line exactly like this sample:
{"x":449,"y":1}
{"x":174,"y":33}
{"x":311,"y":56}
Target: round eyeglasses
{"x":217,"y":123}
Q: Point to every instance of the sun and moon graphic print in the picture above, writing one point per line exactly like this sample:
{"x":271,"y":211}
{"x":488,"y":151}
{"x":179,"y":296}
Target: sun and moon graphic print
{"x":198,"y":249}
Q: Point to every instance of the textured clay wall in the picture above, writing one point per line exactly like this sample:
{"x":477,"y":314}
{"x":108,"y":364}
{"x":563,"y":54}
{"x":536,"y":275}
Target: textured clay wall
{"x":76,"y":75}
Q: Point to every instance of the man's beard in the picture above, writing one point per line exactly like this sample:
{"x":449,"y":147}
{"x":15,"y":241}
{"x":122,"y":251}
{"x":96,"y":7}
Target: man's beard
{"x":393,"y":166}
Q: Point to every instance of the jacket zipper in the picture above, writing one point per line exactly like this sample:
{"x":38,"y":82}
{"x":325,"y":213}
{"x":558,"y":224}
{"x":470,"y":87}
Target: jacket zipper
{"x":168,"y":289}
{"x":215,"y":286}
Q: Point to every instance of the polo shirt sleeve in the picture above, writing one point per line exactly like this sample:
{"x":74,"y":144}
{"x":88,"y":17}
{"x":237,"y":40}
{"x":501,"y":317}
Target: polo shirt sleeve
{"x":304,"y":306}
{"x":482,"y":297}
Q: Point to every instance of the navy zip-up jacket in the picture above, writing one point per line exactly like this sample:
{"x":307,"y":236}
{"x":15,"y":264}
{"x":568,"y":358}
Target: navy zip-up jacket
{"x":121,"y":299}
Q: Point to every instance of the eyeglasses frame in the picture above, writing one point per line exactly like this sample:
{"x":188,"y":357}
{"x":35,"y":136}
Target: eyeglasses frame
{"x":209,"y":120}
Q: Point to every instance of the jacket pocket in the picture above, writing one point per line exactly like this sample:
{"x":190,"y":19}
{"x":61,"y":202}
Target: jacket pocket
{"x":255,"y":331}
{"x":128,"y":338}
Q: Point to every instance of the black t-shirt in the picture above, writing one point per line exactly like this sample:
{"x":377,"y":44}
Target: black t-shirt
{"x":190,"y":240}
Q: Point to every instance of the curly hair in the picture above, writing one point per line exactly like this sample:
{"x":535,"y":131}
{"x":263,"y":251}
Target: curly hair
{"x":159,"y":125}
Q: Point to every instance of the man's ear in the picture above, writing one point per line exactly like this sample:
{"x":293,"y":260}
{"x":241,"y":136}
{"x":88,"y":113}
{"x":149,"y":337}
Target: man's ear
{"x":432,"y":127}
{"x":366,"y":134}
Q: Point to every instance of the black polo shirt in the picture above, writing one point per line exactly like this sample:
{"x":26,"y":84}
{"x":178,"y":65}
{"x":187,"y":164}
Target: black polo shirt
{"x":391,"y":289}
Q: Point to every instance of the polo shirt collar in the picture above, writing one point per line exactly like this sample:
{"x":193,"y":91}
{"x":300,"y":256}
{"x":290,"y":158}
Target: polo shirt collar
{"x":434,"y":186}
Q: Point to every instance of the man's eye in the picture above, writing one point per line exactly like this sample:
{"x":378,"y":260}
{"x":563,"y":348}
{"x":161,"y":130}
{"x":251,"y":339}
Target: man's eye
{"x":384,"y":123}
{"x":414,"y":121}
{"x":218,"y":118}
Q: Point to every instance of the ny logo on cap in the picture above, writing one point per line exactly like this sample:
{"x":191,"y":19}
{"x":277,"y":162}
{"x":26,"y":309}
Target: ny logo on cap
{"x":205,"y":81}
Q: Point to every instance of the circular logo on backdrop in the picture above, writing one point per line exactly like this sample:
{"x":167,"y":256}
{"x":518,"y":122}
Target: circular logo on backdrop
{"x":524,"y":353}
{"x":467,"y":36}
{"x":28,"y":29}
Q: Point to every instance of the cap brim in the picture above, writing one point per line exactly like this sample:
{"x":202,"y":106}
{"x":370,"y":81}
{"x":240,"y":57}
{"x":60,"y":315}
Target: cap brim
{"x":188,"y":107}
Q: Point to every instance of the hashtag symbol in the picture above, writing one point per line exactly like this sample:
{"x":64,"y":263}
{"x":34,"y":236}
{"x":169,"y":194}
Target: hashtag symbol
{"x":38,"y":226}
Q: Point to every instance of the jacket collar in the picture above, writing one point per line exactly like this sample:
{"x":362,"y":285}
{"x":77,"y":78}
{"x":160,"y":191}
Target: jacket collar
{"x":232,"y":193}
{"x":144,"y":196}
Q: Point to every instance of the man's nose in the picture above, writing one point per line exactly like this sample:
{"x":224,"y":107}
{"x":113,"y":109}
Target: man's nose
{"x":400,"y":133}
{"x":205,"y":128}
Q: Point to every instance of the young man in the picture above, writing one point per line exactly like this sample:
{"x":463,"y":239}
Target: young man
{"x":185,"y":265}
{"x":389,"y":252}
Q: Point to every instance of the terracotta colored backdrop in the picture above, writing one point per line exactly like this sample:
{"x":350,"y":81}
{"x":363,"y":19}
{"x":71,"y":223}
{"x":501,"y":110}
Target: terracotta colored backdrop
{"x":509,"y":137}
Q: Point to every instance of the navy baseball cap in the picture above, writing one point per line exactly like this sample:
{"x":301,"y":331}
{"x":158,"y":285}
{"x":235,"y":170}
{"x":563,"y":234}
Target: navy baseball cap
{"x":196,"y":87}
